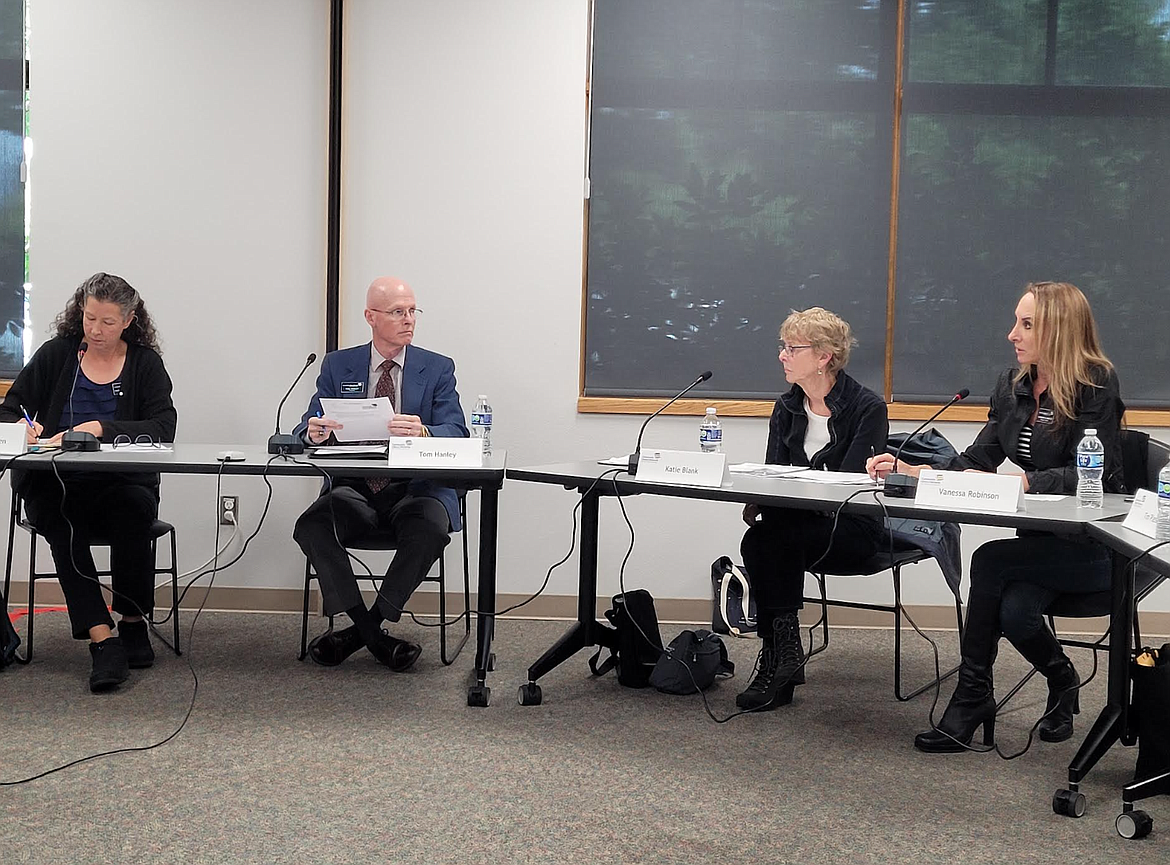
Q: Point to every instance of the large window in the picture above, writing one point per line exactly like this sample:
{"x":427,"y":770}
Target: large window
{"x":12,"y":223}
{"x":741,"y":164}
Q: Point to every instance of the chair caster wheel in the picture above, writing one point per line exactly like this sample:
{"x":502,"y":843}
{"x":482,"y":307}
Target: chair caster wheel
{"x":478,"y":696}
{"x":529,"y":695}
{"x":1070,"y":803}
{"x":1134,"y":824}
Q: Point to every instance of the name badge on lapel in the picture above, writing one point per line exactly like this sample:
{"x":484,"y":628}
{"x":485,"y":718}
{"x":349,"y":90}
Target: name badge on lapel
{"x":1045,"y":416}
{"x":116,"y":387}
{"x":352,"y":387}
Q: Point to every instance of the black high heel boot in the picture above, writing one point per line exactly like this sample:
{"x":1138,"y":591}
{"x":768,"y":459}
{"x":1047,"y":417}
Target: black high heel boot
{"x":1045,"y":653}
{"x":781,"y":659}
{"x":973,"y":703}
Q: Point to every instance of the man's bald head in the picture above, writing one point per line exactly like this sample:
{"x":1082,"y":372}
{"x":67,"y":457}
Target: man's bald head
{"x":391,"y":314}
{"x":385,"y":291}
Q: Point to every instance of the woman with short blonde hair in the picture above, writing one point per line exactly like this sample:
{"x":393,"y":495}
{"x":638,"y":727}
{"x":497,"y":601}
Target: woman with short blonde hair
{"x":827,"y":420}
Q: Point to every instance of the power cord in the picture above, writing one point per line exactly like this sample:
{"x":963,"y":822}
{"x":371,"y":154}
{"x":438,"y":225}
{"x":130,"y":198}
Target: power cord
{"x":215,"y":568}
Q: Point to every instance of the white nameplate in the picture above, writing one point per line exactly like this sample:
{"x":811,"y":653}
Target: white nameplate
{"x":1143,"y":513}
{"x":693,"y":468}
{"x":971,"y":491}
{"x":436,"y":453}
{"x":13,"y":438}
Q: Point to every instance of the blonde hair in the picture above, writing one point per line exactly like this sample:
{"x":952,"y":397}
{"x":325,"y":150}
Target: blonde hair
{"x":1067,"y":343}
{"x":824,"y":331}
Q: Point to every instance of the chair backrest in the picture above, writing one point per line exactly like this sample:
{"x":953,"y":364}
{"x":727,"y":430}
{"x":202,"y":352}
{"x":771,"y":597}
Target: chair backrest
{"x":1135,"y":458}
{"x":1158,"y":454}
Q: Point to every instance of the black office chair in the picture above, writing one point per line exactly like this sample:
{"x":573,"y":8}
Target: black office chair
{"x":1142,"y":457}
{"x":158,"y":529}
{"x":903,"y":555}
{"x":382,"y":541}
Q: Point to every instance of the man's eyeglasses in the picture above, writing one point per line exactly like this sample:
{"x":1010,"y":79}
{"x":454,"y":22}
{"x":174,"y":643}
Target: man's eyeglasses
{"x":399,"y":314}
{"x":785,"y":348}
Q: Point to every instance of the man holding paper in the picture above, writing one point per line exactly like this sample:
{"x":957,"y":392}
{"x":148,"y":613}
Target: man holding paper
{"x":412,"y":391}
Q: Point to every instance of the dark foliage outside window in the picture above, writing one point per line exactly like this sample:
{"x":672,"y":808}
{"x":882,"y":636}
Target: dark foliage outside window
{"x":741,"y":156}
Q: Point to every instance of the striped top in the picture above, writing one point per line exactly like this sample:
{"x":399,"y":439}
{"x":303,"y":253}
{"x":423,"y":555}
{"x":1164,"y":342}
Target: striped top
{"x":92,"y":401}
{"x":1024,"y":448}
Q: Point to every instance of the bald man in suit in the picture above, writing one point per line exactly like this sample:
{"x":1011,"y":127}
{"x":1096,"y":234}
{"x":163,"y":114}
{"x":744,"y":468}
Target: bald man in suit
{"x":420,"y":514}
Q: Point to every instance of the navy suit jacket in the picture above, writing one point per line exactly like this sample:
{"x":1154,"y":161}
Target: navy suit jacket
{"x":428,"y":390}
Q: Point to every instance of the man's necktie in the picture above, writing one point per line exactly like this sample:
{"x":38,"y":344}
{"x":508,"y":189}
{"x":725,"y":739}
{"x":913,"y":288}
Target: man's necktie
{"x":384,"y":387}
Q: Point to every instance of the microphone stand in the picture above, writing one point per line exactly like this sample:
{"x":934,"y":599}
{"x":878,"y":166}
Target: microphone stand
{"x":287,"y":443}
{"x":634,"y":457}
{"x":73,"y":440}
{"x":904,"y":486}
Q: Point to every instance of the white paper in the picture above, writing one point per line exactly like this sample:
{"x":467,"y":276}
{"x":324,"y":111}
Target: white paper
{"x":133,"y":448}
{"x":615,"y":461}
{"x":802,"y":473}
{"x":361,"y":419}
{"x":1043,"y":497}
{"x":349,"y":450}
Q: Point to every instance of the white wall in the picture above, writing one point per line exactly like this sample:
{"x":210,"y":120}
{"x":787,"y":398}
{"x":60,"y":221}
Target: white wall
{"x":182,"y":144}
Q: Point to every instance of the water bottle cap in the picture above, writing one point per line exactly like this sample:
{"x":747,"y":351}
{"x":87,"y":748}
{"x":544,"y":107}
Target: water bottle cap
{"x":710,"y":409}
{"x":1090,"y":432}
{"x":483,"y":397}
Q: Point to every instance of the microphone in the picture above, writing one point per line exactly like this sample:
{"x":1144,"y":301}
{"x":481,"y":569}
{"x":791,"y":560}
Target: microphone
{"x":903,"y":486}
{"x":633,"y":468}
{"x":78,"y":441}
{"x":288,"y":443}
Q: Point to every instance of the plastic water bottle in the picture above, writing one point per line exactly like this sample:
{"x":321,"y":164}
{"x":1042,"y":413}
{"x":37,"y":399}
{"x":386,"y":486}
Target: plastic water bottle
{"x":1090,"y":469}
{"x":481,"y":422}
{"x":1162,"y":532}
{"x":711,"y":433}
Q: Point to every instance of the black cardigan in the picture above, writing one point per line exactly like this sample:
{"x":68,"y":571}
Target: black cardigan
{"x":858,"y":427}
{"x":1054,"y":445}
{"x":144,"y":408}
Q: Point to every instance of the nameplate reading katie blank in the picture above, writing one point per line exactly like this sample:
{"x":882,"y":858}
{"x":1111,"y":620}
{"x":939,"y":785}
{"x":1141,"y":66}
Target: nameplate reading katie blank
{"x":692,"y":468}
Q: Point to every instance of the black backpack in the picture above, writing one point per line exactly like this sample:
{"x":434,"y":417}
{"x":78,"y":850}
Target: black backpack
{"x":8,"y":637}
{"x":634,"y":641}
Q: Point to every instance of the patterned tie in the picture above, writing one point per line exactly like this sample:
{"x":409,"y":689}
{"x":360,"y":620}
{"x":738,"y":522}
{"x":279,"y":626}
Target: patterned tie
{"x":384,"y":387}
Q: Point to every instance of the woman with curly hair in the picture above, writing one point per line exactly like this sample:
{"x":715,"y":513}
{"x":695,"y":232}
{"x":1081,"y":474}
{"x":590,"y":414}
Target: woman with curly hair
{"x":101,"y":374}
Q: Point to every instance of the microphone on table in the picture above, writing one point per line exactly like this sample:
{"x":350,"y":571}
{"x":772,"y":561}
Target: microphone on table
{"x":903,"y":486}
{"x":73,"y":440}
{"x":286,"y":443}
{"x":633,"y":468}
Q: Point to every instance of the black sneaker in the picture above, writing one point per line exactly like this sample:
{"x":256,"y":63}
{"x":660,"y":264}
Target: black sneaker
{"x":109,"y":665}
{"x":136,"y":640}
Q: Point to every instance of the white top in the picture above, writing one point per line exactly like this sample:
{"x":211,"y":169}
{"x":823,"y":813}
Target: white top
{"x":816,"y":437}
{"x":395,"y":374}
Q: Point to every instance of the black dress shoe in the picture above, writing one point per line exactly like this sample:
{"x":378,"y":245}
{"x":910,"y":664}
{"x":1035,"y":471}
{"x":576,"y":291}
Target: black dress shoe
{"x":398,"y":655}
{"x":109,"y":665}
{"x":136,"y":640}
{"x":333,"y":647}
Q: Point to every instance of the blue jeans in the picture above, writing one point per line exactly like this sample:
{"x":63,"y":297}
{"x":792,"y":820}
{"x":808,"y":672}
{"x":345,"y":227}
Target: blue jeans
{"x":1028,"y":573}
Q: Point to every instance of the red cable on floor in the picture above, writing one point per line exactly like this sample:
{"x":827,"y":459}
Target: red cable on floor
{"x":19,"y":614}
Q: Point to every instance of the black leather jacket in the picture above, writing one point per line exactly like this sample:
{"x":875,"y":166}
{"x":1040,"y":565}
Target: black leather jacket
{"x":1054,"y":445}
{"x":858,"y":428}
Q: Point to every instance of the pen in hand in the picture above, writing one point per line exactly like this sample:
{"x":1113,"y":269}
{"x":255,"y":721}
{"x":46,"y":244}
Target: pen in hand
{"x":27,"y":419}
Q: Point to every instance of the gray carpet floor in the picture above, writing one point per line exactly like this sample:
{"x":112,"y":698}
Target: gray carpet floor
{"x":290,"y":762}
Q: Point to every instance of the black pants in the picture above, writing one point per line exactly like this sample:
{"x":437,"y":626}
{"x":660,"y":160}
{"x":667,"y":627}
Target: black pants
{"x":781,"y":547}
{"x":1028,"y":573}
{"x":419,"y":526}
{"x":105,"y":511}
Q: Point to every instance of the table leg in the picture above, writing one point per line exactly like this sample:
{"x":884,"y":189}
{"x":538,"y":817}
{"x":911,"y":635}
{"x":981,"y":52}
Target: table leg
{"x":1113,"y":722}
{"x":586,"y":631}
{"x":478,"y":694}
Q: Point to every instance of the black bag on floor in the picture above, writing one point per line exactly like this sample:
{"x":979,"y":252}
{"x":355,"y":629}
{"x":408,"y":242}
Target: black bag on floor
{"x":9,"y":639}
{"x":692,"y":662}
{"x":634,"y":641}
{"x":733,"y":605}
{"x":1151,"y":714}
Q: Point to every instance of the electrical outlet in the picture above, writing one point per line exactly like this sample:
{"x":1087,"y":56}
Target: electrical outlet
{"x":229,"y":505}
